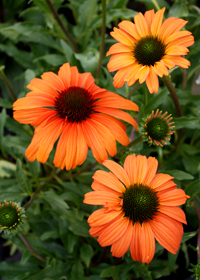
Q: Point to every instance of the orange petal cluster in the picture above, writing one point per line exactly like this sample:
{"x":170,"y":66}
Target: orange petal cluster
{"x":113,"y":228}
{"x":129,"y":34}
{"x":99,"y":131}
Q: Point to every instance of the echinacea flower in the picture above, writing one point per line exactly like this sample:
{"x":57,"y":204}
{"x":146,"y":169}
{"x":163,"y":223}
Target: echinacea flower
{"x":148,"y":48}
{"x":11,"y":217}
{"x":139,"y":206}
{"x":69,"y":106}
{"x":157,"y":128}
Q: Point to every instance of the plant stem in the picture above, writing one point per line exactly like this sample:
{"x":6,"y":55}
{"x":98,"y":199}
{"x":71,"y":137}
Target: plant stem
{"x":62,"y":26}
{"x":31,"y":249}
{"x":28,"y":204}
{"x":135,"y":142}
{"x":172,"y":91}
{"x":174,"y":96}
{"x":7,"y":83}
{"x":198,"y":238}
{"x":89,"y":167}
{"x":103,"y":31}
{"x":134,"y":89}
{"x":156,"y":4}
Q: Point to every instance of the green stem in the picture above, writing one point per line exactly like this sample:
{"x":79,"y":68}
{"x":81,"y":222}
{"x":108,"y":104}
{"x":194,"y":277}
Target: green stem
{"x":172,"y":91}
{"x":29,"y":203}
{"x":7,"y":83}
{"x":62,"y":26}
{"x":156,"y":4}
{"x":31,"y":249}
{"x":103,"y":31}
{"x":174,"y":96}
{"x":135,"y":142}
{"x":134,"y":89}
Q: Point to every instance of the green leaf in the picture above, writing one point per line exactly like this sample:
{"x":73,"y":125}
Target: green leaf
{"x":55,"y":201}
{"x":154,"y":102}
{"x":77,"y":271}
{"x":178,"y":9}
{"x":34,"y":168}
{"x":5,"y":166}
{"x":86,"y":253}
{"x":2,"y":123}
{"x":5,"y":103}
{"x":80,"y":228}
{"x":188,"y":235}
{"x":184,"y":122}
{"x":52,"y":59}
{"x":22,"y":179}
{"x":50,"y":234}
{"x":116,"y":4}
{"x":191,"y":164}
{"x":89,"y":60}
{"x":87,"y":11}
{"x":112,"y":271}
{"x":25,"y":256}
{"x":178,"y":174}
{"x":193,"y":188}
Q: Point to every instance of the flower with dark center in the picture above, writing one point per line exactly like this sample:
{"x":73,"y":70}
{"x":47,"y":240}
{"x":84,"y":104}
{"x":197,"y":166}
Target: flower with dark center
{"x":139,"y":206}
{"x":70,"y":108}
{"x":157,"y":128}
{"x":11,"y":217}
{"x":148,"y":48}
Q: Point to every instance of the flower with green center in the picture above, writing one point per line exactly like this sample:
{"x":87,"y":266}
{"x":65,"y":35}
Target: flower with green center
{"x":147,"y":48}
{"x":11,"y":217}
{"x":139,"y":206}
{"x":157,"y":128}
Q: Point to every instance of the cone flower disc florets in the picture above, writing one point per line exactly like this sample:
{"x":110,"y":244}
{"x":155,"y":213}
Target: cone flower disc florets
{"x":139,"y":206}
{"x":157,"y":128}
{"x":148,"y":48}
{"x":11,"y":217}
{"x":70,"y":108}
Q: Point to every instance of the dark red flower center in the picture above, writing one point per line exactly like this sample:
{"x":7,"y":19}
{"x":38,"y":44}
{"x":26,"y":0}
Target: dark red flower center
{"x":75,"y":104}
{"x":140,"y":203}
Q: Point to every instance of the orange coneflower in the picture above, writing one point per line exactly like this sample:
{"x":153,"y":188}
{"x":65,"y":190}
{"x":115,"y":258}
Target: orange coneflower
{"x":71,"y":106}
{"x":148,"y":48}
{"x":139,"y":206}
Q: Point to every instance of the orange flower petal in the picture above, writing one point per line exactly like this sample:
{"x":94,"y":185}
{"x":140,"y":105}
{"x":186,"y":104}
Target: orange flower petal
{"x":33,"y":102}
{"x":116,"y":102}
{"x":120,"y":247}
{"x":119,"y":80}
{"x":119,"y":48}
{"x":122,"y":37}
{"x":152,"y":81}
{"x":82,"y":148}
{"x":118,"y":170}
{"x":42,"y":86}
{"x":74,"y":76}
{"x":174,"y":212}
{"x":94,"y":141}
{"x":180,"y":61}
{"x":172,"y":198}
{"x":135,"y":246}
{"x":177,"y":35}
{"x":131,"y":168}
{"x":176,"y":50}
{"x":141,"y":25}
{"x":102,"y":216}
{"x":169,"y":63}
{"x":160,"y":69}
{"x":159,"y":179}
{"x":97,"y":186}
{"x":147,"y":243}
{"x":65,"y":74}
{"x":130,"y":28}
{"x":114,"y":231}
{"x":167,"y":231}
{"x":106,"y":136}
{"x":141,"y":169}
{"x":115,"y":127}
{"x":149,"y":15}
{"x":118,"y":61}
{"x":152,"y":165}
{"x":142,"y":74}
{"x":109,"y":180}
{"x":100,"y":198}
{"x":43,"y":141}
{"x":156,"y":23}
{"x":27,"y":116}
{"x":164,"y":186}
{"x":118,"y":114}
{"x":54,"y":80}
{"x":175,"y":24}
